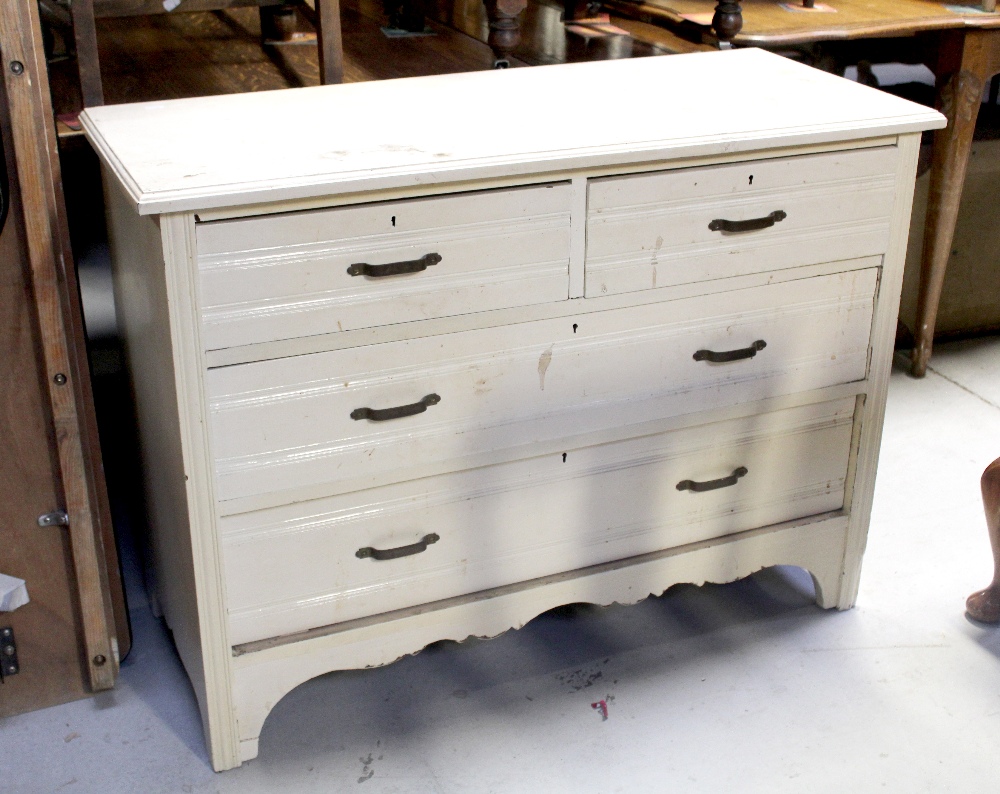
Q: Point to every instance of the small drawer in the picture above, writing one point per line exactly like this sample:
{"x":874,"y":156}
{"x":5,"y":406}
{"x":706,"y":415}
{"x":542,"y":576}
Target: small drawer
{"x":318,"y":563}
{"x":298,"y":274}
{"x":656,"y":230}
{"x":366,"y":416}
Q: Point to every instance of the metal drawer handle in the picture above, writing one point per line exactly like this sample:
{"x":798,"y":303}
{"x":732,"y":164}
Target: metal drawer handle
{"x":711,"y":485}
{"x":394,"y":268}
{"x":382,"y":414}
{"x":399,"y":551}
{"x":752,"y":225}
{"x":730,"y":355}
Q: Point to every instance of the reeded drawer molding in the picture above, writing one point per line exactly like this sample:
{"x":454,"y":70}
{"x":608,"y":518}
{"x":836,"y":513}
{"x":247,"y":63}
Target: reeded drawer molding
{"x":293,"y":568}
{"x":652,"y":231}
{"x":277,"y":277}
{"x":286,"y":424}
{"x":321,"y":343}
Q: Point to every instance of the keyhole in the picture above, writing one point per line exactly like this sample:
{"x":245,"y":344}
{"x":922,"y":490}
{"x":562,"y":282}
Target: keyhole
{"x":575,"y":326}
{"x":564,"y":457}
{"x":394,"y":217}
{"x":751,"y":179}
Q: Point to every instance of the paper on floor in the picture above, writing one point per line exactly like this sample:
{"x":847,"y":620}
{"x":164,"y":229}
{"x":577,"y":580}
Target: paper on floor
{"x":13,"y":593}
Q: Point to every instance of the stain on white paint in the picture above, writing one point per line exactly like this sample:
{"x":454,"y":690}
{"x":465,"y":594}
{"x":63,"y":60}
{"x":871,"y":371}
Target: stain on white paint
{"x":543,"y":364}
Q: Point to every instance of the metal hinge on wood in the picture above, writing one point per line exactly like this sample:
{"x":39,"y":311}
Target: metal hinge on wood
{"x":57,"y":518}
{"x":8,"y":653}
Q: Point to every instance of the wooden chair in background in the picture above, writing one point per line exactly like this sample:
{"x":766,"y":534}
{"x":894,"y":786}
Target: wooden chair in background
{"x":984,"y":605}
{"x":325,"y":18}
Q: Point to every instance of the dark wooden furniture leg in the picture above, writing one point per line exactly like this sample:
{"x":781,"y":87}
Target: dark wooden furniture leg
{"x":505,"y":32}
{"x":985,"y":605}
{"x":277,"y":23}
{"x":728,"y":20}
{"x":326,"y":20}
{"x":85,"y":35}
{"x":966,"y":61}
{"x":329,"y":42}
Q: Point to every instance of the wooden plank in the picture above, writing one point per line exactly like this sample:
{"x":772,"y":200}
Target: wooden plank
{"x":104,"y":9}
{"x":46,"y":632}
{"x":87,"y":58}
{"x":66,"y":374}
{"x":329,"y":43}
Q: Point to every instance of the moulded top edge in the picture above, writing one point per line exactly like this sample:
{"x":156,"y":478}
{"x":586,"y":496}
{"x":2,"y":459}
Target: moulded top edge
{"x":238,"y":149}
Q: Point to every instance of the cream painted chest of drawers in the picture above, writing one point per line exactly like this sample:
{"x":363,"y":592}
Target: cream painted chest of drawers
{"x":403,"y":374}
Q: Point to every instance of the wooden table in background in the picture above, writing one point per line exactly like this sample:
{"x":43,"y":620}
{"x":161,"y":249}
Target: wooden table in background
{"x":961,"y":48}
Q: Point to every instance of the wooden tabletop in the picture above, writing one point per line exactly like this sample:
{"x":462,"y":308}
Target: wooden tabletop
{"x":770,"y":22}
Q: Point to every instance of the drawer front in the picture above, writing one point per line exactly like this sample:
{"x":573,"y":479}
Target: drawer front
{"x":298,"y":567}
{"x":282,"y":276}
{"x":653,"y":230}
{"x":313,"y":420}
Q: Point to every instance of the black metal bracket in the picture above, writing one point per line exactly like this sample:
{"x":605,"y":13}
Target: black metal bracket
{"x":8,"y":654}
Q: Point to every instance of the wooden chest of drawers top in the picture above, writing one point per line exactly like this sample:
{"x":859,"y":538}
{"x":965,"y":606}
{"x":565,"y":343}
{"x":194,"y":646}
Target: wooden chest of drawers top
{"x":336,"y":140}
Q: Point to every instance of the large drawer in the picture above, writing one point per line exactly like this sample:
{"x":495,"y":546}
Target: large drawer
{"x":313,"y":564}
{"x":281,"y":276}
{"x":648,"y":231}
{"x":309,"y":420}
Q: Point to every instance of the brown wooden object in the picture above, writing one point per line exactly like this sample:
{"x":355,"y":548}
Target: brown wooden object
{"x":57,"y":380}
{"x":505,"y":32}
{"x":326,"y":20}
{"x":964,"y":52}
{"x":985,"y":604}
{"x":966,"y":60}
{"x":727,"y":20}
{"x":87,"y":60}
{"x":329,"y":41}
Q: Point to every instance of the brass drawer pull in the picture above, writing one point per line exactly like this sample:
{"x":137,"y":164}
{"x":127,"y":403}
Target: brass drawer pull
{"x":730,"y":355}
{"x":711,"y":485}
{"x":398,"y":412}
{"x":752,"y":225}
{"x":399,"y":551}
{"x":394,"y":268}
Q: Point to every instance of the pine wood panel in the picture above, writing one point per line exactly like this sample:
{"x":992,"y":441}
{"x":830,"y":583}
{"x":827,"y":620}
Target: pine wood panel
{"x":46,"y":628}
{"x":50,"y":415}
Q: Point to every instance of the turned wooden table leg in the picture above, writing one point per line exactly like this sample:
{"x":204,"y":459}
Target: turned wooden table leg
{"x":728,"y":20}
{"x":985,"y":605}
{"x":505,"y":32}
{"x":966,"y":61}
{"x":330,"y":42}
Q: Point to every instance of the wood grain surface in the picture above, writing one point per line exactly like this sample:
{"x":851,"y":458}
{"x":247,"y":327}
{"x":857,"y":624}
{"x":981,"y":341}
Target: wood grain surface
{"x":63,"y":357}
{"x":45,"y":629}
{"x":768,"y":22}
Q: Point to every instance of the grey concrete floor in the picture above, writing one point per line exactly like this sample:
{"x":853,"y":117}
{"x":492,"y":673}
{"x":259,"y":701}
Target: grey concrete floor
{"x":740,"y":687}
